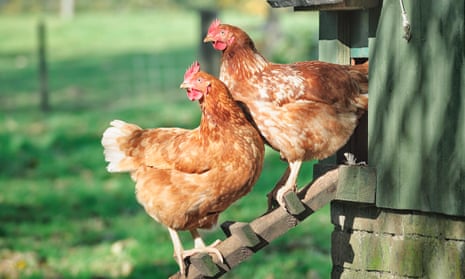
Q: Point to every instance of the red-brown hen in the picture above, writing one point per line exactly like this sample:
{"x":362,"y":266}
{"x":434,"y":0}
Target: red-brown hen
{"x":304,"y":110}
{"x":186,"y":178}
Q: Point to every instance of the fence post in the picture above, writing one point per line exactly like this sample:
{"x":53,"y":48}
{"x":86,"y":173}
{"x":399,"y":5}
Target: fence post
{"x":209,"y":58}
{"x":43,"y":75}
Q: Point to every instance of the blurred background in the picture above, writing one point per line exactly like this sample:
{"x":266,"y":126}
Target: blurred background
{"x":69,"y":67}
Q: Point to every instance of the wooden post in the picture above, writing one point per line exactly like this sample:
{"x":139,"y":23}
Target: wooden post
{"x":42,"y":67}
{"x":209,"y":58}
{"x":67,"y":9}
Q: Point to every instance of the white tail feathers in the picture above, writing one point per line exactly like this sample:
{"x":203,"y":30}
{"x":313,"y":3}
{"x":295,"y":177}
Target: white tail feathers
{"x":112,"y":139}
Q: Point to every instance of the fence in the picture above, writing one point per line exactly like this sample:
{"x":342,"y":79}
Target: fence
{"x":141,"y":75}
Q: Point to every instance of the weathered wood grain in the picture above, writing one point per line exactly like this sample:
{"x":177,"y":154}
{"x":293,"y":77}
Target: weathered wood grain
{"x":245,"y":239}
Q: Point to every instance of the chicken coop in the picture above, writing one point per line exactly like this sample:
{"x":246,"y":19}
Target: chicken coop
{"x":402,"y":214}
{"x":409,"y":221}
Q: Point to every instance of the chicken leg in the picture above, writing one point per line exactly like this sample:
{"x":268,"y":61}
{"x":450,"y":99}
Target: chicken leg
{"x":180,"y":254}
{"x":272,"y":203}
{"x":290,"y":185}
{"x":178,"y":250}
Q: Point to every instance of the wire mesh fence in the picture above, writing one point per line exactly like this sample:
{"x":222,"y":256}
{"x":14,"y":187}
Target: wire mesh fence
{"x":141,"y":76}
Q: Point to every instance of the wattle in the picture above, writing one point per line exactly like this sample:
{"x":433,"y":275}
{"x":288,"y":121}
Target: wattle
{"x":194,"y":95}
{"x":219,"y":45}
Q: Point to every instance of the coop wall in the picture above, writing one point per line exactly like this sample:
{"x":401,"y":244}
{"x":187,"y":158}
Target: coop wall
{"x":369,"y":242}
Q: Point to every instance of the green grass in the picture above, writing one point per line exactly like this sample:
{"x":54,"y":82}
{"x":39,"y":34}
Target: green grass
{"x":61,"y":214}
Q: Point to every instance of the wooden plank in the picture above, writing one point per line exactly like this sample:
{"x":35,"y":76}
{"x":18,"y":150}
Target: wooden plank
{"x":204,"y":264}
{"x":293,"y":203}
{"x":241,"y":243}
{"x":417,"y":107}
{"x":357,"y":184}
{"x":245,"y":234}
{"x":324,"y":5}
{"x":334,"y":51}
{"x":301,"y":3}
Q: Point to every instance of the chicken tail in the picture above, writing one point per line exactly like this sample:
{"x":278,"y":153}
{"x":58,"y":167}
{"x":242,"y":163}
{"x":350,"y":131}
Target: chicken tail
{"x":359,"y":72}
{"x":362,"y":101}
{"x":361,"y":79}
{"x":362,"y":68}
{"x":115,"y":142}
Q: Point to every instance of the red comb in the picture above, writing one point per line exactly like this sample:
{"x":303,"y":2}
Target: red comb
{"x":193,"y":69}
{"x":214,"y":25}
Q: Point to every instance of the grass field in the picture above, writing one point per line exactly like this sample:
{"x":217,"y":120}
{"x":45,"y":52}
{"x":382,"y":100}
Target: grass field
{"x":61,"y":214}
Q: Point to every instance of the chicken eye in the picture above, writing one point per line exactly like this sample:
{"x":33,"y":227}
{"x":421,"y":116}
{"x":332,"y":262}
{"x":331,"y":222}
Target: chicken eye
{"x":199,"y":80}
{"x":222,"y":33}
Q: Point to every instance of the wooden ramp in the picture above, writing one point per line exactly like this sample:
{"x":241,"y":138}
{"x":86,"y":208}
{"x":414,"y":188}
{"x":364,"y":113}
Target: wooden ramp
{"x":245,"y":239}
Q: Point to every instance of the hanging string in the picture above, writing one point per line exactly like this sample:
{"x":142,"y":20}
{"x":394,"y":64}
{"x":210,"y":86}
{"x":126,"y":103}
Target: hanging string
{"x":405,"y":22}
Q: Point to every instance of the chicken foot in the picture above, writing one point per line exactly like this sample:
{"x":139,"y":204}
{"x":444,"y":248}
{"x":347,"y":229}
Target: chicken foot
{"x":199,"y":247}
{"x":290,"y":185}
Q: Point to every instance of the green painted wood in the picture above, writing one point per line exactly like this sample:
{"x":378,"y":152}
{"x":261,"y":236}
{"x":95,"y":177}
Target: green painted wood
{"x":357,"y":184}
{"x":333,"y":51}
{"x":334,"y":43}
{"x":344,"y":35}
{"x":417,"y":107}
{"x":359,"y":52}
{"x":324,"y":5}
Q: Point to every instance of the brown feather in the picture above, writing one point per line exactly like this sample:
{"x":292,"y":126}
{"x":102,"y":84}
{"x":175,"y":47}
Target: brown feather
{"x":186,"y":178}
{"x":305,"y":110}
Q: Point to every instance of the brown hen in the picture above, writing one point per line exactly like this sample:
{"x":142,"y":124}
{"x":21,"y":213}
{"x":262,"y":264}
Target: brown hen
{"x":304,"y":110}
{"x":186,"y":178}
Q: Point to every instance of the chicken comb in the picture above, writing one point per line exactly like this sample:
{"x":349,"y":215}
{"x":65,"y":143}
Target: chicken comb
{"x":214,"y":25}
{"x":193,"y":69}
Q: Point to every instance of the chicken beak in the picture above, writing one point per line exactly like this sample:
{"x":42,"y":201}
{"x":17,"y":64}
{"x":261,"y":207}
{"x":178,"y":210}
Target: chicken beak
{"x":184,"y":85}
{"x":208,"y":38}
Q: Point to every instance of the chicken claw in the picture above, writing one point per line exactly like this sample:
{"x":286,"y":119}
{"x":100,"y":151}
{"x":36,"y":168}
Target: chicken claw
{"x":290,"y":184}
{"x":180,"y":254}
{"x":207,"y":249}
{"x":200,"y":247}
{"x":282,"y":192}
